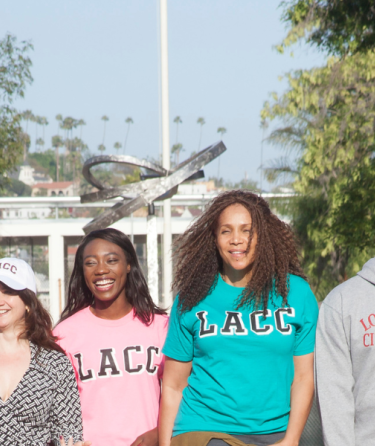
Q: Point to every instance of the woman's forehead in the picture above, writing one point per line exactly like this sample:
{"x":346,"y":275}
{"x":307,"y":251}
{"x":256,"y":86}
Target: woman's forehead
{"x":234,"y":214}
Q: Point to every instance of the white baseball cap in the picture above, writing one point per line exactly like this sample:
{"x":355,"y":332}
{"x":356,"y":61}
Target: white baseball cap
{"x":17,"y":274}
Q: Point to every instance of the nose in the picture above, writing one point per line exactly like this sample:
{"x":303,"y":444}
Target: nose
{"x":101,"y":268}
{"x":236,"y":238}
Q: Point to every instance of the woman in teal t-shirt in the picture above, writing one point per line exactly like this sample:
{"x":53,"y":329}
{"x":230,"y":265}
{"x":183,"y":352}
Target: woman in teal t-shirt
{"x":241,"y":338}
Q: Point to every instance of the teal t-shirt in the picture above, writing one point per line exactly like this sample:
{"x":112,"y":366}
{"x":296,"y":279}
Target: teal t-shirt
{"x":242,"y":364}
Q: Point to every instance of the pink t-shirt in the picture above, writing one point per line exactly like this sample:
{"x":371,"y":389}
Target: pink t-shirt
{"x":118,"y":366}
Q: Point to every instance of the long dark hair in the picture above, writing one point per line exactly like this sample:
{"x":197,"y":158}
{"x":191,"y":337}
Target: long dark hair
{"x":136,"y":289}
{"x":37,"y":323}
{"x":198,"y":262}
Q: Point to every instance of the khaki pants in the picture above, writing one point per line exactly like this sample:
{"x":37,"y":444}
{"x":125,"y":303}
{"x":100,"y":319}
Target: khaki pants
{"x":203,"y":438}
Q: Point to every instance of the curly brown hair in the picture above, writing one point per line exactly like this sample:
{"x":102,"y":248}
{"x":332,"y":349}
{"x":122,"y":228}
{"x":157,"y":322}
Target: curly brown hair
{"x":37,"y":323}
{"x":198,"y":262}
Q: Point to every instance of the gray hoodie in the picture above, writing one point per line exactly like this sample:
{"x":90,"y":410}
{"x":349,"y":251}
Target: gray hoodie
{"x":345,"y":361}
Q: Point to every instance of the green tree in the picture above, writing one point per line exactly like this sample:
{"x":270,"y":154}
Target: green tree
{"x":81,"y":123}
{"x":177,"y":120}
{"x":15,"y":74}
{"x":15,"y":188}
{"x":101,"y":148}
{"x":104,"y":119}
{"x":176,"y":150}
{"x":39,"y":144}
{"x":201,"y":121}
{"x":117,"y":146}
{"x":44,"y":162}
{"x":43,"y":123}
{"x":59,"y":119}
{"x":336,"y":26}
{"x":327,"y":115}
{"x":128,"y":121}
{"x":57,"y":142}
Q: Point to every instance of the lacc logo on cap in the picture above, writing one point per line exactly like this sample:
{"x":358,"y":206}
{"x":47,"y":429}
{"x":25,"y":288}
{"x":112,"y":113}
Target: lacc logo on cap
{"x":11,"y":268}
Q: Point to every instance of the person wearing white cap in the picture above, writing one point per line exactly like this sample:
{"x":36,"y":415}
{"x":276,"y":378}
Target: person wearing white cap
{"x":39,"y":400}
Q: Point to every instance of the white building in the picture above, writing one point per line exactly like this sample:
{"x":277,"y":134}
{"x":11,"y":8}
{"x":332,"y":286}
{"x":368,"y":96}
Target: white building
{"x":54,"y":189}
{"x":29,"y":176}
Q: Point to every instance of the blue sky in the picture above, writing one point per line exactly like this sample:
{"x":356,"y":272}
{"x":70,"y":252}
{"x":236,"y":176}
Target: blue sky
{"x":101,"y":57}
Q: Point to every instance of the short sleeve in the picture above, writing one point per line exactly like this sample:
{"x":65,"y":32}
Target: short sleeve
{"x":305,"y":335}
{"x":179,"y":343}
{"x":162,"y":332}
{"x":66,"y":418}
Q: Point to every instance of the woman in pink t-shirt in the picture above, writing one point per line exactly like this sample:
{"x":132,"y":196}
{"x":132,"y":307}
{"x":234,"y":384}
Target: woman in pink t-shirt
{"x":113,"y":334}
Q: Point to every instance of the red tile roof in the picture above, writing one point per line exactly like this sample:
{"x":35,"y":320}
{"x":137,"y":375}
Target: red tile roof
{"x":54,"y":185}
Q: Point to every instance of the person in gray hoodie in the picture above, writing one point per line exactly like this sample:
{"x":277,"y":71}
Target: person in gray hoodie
{"x":345,"y":361}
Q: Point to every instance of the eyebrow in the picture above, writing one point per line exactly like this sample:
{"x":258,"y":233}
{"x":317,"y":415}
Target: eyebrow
{"x":230,"y":224}
{"x":108,"y":254}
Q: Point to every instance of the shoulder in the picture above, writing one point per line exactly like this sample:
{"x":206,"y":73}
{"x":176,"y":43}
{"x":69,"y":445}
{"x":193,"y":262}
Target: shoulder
{"x":299,"y":290}
{"x":346,"y":292}
{"x":160,"y":321}
{"x":70,"y":324}
{"x":53,"y":361}
{"x":301,"y":295}
{"x":298,"y":282}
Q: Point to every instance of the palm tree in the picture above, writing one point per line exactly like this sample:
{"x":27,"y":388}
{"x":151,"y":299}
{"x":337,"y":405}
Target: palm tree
{"x":27,"y":115}
{"x":104,"y":118}
{"x":39,"y":143}
{"x":101,"y":148}
{"x":128,"y":121}
{"x":59,"y":119}
{"x":201,"y":121}
{"x":35,"y":119}
{"x":25,"y":138}
{"x":68,"y":124}
{"x":177,"y":149}
{"x":43,"y":123}
{"x":81,"y":123}
{"x":117,"y":146}
{"x":57,"y":142}
{"x":222,"y":131}
{"x":177,"y":120}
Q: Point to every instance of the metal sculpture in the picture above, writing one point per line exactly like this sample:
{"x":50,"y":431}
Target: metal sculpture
{"x":162,"y":184}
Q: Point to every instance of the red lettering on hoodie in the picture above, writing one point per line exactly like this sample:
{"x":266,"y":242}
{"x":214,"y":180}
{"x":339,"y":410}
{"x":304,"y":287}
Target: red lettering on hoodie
{"x":364,"y":325}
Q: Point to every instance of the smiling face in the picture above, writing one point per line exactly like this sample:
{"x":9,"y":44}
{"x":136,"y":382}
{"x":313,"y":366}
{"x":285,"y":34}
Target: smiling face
{"x":105,"y":270}
{"x":12,"y":310}
{"x":232,"y":240}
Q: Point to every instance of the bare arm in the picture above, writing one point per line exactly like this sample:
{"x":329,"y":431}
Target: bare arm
{"x":175,"y":378}
{"x":301,"y":398}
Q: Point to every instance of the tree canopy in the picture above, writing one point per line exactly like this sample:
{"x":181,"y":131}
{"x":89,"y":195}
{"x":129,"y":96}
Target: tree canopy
{"x":14,"y":76}
{"x":337,"y":26}
{"x":325,"y":122}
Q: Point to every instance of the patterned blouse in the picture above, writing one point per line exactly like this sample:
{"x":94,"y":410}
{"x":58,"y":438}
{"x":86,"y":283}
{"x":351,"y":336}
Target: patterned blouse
{"x":44,"y":405}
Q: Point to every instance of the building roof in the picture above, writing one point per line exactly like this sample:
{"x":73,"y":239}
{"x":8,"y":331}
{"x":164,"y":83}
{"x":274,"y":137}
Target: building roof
{"x":53,"y":185}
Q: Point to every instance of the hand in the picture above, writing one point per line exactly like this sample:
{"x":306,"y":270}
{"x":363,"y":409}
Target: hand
{"x":283,"y":442}
{"x":70,"y":442}
{"x":150,"y":438}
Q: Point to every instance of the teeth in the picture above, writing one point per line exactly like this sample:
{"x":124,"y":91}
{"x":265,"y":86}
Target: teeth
{"x":104,"y":282}
{"x":3,"y":311}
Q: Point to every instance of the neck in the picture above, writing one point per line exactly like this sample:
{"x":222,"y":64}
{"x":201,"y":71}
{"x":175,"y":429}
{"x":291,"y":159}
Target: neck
{"x":10,"y":342}
{"x":235,"y":277}
{"x":113,"y":309}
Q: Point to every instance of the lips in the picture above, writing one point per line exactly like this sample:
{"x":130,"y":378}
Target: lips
{"x":104,"y":284}
{"x":237,"y":253}
{"x":3,"y":312}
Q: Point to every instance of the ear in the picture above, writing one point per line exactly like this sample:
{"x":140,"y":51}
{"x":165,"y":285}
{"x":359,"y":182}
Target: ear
{"x":128,"y":268}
